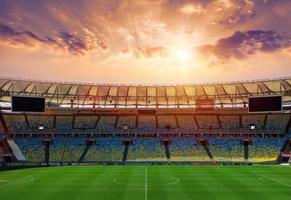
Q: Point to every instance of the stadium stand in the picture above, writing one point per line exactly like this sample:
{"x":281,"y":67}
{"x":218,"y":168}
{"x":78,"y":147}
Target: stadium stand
{"x":129,"y":121}
{"x":57,"y":149}
{"x":257,"y":120}
{"x":207,"y":121}
{"x":36,"y":121}
{"x":276,"y":122}
{"x":230,"y":122}
{"x":226,"y":149}
{"x":69,"y":149}
{"x":16,"y":123}
{"x":31,"y":148}
{"x":106,"y":123}
{"x":187,"y":149}
{"x":167,"y":121}
{"x":187,"y":122}
{"x":73,"y":149}
{"x":265,"y":149}
{"x":158,"y":124}
{"x":64,"y":123}
{"x":146,"y":150}
{"x":106,"y":149}
{"x":147,"y":122}
{"x":85,"y":122}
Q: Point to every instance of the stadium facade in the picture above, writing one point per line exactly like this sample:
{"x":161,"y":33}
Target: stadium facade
{"x":130,"y":123}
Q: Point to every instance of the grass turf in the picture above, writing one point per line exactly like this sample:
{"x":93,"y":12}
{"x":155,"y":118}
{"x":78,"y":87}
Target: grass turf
{"x":147,"y":183}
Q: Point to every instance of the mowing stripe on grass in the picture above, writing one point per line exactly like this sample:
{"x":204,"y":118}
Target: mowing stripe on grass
{"x":146,"y":184}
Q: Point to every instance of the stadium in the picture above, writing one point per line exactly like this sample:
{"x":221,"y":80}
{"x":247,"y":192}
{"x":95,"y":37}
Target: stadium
{"x":143,"y":133}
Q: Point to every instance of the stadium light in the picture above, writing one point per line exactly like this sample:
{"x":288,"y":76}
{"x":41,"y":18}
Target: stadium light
{"x":125,"y":127}
{"x":252,"y":127}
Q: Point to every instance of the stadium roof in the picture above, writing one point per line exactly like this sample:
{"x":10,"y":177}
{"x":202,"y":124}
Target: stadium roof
{"x":107,"y":95}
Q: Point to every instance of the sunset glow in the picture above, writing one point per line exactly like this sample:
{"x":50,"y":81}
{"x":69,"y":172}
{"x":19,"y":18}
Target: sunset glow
{"x":144,"y":41}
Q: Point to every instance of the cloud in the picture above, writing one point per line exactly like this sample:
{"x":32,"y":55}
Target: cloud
{"x":10,"y":35}
{"x":190,"y":9}
{"x":149,"y":52}
{"x":65,"y":41}
{"x":243,"y":44}
{"x":243,"y":11}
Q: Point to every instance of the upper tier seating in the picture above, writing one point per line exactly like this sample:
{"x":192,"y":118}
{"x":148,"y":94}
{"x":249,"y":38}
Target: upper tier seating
{"x":207,"y":121}
{"x":147,"y":122}
{"x":16,"y":123}
{"x":64,"y":123}
{"x":277,"y":122}
{"x":165,"y":121}
{"x":129,"y":121}
{"x":84,"y":122}
{"x":230,"y":122}
{"x":106,"y":123}
{"x":35,"y":121}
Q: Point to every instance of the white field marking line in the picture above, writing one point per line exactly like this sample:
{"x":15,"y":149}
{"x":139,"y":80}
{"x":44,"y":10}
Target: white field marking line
{"x":273,"y":179}
{"x":19,"y":181}
{"x":146,"y":184}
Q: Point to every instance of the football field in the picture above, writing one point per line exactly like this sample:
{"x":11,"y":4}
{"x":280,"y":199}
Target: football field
{"x":147,"y":183}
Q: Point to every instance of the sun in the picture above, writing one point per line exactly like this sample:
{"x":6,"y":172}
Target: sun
{"x":182,"y":55}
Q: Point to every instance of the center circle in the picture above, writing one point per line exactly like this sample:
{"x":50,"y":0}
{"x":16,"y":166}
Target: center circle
{"x":142,"y":181}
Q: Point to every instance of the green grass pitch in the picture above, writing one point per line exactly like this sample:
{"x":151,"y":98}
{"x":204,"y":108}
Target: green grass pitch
{"x":147,"y":183}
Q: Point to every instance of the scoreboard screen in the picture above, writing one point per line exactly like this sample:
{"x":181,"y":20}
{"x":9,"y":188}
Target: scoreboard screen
{"x":265,"y":104}
{"x":28,"y":104}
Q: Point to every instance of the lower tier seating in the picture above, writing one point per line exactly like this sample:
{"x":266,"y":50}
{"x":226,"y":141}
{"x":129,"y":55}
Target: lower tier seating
{"x":69,"y":149}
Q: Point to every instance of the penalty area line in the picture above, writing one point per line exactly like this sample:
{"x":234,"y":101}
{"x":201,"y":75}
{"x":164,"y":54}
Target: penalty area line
{"x":273,"y":179}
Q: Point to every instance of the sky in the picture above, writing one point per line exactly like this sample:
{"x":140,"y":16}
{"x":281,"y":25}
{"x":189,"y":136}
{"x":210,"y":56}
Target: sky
{"x":145,"y":41}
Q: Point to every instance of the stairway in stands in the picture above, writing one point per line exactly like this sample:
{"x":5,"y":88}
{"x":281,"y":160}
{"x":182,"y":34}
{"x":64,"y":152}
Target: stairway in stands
{"x":89,"y":143}
{"x":246,"y":142}
{"x":208,"y":152}
{"x":204,"y":143}
{"x":125,"y":152}
{"x":246,"y":151}
{"x":167,"y":151}
{"x":82,"y":157}
{"x":126,"y":142}
{"x":47,"y":142}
